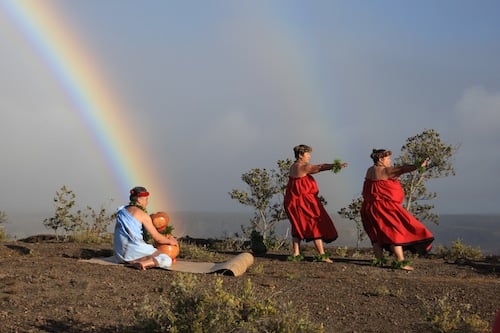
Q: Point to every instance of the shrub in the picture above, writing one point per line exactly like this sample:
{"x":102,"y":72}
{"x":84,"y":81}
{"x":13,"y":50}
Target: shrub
{"x":86,"y":226}
{"x":90,"y":226}
{"x":3,"y":219}
{"x":195,"y":308}
{"x":3,"y":235}
{"x":384,"y":291}
{"x":474,"y":323}
{"x":192,"y":251}
{"x":63,"y":204}
{"x":256,"y":269}
{"x":342,"y":251}
{"x":459,"y":250}
{"x":445,"y":318}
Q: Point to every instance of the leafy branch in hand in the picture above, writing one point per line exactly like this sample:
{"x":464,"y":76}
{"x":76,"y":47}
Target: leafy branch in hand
{"x":337,"y":165}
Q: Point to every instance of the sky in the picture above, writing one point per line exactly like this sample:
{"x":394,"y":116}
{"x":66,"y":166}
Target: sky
{"x":183,"y":97}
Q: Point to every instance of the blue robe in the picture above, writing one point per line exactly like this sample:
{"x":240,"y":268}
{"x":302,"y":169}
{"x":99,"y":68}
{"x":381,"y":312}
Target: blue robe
{"x":128,"y":241}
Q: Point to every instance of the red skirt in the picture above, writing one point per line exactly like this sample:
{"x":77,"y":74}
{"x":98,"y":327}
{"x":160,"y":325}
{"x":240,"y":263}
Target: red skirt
{"x":385,"y":220}
{"x":308,"y":217}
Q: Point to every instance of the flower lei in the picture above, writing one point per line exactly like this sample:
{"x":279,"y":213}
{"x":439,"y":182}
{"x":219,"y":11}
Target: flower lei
{"x":135,"y":204}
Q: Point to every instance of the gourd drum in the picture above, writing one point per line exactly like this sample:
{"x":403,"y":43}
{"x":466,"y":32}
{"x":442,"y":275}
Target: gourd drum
{"x":170,"y":250}
{"x":160,"y":220}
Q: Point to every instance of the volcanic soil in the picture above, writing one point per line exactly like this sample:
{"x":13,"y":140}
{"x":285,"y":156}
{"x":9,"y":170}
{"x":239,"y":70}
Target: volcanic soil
{"x":44,"y":287}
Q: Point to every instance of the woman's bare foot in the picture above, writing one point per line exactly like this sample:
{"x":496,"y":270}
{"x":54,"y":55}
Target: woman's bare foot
{"x":324,"y":257}
{"x":403,"y":264}
{"x":407,"y":268}
{"x":144,"y":263}
{"x":139,"y":266}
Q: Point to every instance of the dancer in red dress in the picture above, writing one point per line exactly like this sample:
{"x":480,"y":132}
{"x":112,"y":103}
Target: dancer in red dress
{"x":308,"y":217}
{"x":386,"y":222}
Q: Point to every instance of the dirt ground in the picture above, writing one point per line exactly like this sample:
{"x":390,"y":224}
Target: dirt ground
{"x":44,"y":288}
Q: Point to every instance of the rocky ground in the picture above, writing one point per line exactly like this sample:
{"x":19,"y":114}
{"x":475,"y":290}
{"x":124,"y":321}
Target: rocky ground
{"x":44,"y":288}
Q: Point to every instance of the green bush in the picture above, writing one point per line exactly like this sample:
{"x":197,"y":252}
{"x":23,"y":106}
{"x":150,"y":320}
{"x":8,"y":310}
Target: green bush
{"x":474,"y":323}
{"x":192,"y":251}
{"x":384,"y":291}
{"x":447,"y":318}
{"x":85,"y":226}
{"x":444,"y":318}
{"x":194,"y":308}
{"x":3,"y":235}
{"x":342,"y":251}
{"x":459,"y":250}
{"x":88,"y":237}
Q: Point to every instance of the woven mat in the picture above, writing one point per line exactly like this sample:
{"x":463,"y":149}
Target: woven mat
{"x":235,"y":266}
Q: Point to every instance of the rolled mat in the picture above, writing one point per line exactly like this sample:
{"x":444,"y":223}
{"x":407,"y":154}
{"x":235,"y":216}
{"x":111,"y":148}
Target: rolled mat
{"x":235,"y":266}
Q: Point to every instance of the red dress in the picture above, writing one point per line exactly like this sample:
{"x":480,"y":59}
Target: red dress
{"x":386,"y":221}
{"x":307,"y":215}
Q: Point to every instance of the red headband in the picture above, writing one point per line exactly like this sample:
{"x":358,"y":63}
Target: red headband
{"x":140,"y":194}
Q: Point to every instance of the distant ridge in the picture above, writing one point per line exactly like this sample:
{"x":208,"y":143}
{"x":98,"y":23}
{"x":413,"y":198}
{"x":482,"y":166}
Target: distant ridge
{"x":475,"y":230}
{"x":472,"y":229}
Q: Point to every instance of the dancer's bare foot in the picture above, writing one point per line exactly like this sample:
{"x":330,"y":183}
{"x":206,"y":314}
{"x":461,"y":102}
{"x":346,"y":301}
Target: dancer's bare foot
{"x":403,"y":264}
{"x":324,"y":257}
{"x":407,"y":268}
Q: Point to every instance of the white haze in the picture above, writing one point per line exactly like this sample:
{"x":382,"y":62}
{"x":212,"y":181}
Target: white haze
{"x":218,"y":88}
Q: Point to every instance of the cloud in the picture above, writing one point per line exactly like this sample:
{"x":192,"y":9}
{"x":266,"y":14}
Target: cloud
{"x":232,"y":130}
{"x":236,"y":86}
{"x":479,"y":112}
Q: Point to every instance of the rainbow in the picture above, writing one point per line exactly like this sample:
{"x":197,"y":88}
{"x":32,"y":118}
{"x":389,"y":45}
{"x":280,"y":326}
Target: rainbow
{"x":91,"y":95}
{"x":98,"y":106}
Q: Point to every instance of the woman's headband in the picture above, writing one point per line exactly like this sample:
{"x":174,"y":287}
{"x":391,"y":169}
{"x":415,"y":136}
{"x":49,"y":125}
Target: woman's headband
{"x":139,"y":194}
